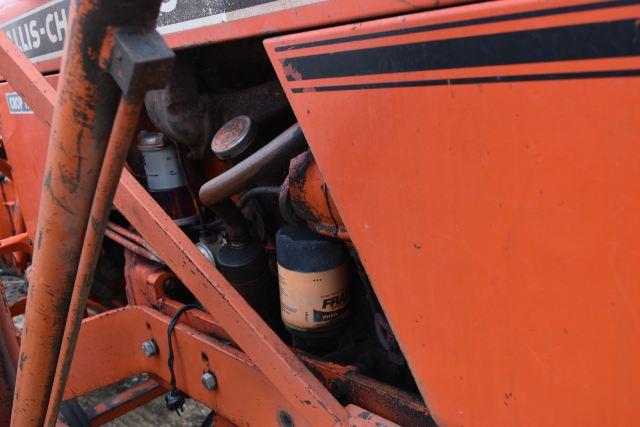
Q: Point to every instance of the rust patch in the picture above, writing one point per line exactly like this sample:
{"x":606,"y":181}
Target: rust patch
{"x":56,"y":200}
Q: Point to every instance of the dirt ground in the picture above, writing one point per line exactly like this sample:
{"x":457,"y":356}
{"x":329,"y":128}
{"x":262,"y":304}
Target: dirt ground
{"x":153,"y":413}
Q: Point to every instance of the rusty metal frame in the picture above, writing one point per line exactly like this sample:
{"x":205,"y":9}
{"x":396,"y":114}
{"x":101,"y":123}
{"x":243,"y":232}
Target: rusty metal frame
{"x":244,"y":395}
{"x":302,"y":391}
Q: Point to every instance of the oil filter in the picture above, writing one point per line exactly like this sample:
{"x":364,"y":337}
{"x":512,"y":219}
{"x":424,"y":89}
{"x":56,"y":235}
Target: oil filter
{"x":313,"y":274}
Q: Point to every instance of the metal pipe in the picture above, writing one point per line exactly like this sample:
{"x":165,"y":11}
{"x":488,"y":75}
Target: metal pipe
{"x":274,"y":155}
{"x":122,"y":133}
{"x":133,"y":247}
{"x":85,"y":107}
{"x":128,"y":234}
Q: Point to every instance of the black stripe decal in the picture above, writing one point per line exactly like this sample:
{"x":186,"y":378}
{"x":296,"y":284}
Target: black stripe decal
{"x":475,"y":80}
{"x":576,"y":42}
{"x":466,"y":23}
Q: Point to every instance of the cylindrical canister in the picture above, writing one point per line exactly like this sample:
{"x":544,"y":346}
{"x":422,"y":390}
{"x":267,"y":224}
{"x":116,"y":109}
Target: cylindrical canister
{"x":165,"y":179}
{"x":313,"y":273}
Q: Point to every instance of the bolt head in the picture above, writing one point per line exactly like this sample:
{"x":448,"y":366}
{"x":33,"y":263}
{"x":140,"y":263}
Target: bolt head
{"x":149,"y":348}
{"x":209,"y":381}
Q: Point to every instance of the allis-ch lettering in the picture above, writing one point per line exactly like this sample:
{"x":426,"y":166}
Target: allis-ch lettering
{"x":29,"y":35}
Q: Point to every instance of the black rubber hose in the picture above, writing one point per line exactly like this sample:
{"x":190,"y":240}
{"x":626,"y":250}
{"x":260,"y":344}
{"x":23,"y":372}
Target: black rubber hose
{"x":258,"y":192}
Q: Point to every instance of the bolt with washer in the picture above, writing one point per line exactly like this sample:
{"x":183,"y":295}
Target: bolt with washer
{"x":209,"y":380}
{"x":149,"y":348}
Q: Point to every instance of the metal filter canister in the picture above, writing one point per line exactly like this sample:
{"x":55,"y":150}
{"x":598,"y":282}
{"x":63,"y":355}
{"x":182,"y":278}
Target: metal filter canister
{"x":313,"y":275}
{"x":165,"y":179}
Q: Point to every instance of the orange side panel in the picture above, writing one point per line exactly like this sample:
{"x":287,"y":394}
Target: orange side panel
{"x":485,"y":161}
{"x":25,"y":139}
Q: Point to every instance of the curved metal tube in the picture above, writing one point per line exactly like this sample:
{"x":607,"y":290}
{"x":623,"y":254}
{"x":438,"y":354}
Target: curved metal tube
{"x":274,"y":155}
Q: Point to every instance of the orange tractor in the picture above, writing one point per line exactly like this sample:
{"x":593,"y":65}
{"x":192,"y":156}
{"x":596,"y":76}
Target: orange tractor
{"x":322,"y":212}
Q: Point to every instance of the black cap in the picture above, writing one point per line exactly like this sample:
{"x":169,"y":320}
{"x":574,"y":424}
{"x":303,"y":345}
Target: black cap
{"x":300,"y":249}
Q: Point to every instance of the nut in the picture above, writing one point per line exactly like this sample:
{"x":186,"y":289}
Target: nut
{"x":209,"y":381}
{"x":149,"y":348}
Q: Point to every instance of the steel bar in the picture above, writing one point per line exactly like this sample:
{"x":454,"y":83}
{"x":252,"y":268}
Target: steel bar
{"x":136,"y":238}
{"x":132,"y":246}
{"x":124,"y":127}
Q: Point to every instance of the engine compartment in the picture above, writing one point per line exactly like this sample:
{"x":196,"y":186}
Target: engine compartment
{"x":220,"y":150}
